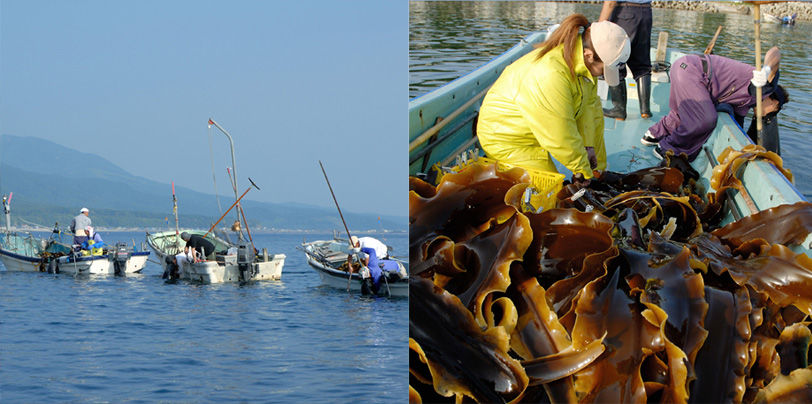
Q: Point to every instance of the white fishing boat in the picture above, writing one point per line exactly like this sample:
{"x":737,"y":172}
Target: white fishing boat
{"x":244,"y":266}
{"x":234,"y":262}
{"x":329,"y":258}
{"x":118,"y":260}
{"x":169,"y":243}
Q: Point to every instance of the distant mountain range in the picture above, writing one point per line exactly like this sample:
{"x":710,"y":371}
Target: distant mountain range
{"x":38,"y":172}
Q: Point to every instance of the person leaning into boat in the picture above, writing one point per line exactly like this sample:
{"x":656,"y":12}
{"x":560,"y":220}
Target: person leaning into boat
{"x":197,"y":243}
{"x":701,"y":85}
{"x":78,"y":226}
{"x":545,"y":105}
{"x":381,"y":250}
{"x":634,"y":16}
{"x":371,"y":271}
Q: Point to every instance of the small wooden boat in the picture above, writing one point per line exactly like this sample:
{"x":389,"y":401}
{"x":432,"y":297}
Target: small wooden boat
{"x":442,"y":133}
{"x":329,"y":258}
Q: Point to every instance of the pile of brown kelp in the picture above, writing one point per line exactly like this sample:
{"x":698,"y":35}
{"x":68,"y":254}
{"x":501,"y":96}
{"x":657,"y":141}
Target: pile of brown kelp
{"x":628,"y":291}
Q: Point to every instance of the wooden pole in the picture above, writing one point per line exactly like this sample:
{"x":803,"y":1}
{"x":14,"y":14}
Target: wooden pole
{"x":349,"y":267}
{"x":709,"y":49}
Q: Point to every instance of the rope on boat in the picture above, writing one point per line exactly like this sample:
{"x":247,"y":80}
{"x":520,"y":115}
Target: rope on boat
{"x":31,"y":223}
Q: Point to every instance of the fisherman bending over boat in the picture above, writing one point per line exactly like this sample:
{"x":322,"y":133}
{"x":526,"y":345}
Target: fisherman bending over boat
{"x":78,"y":226}
{"x":700,"y":86}
{"x":545,"y":105}
{"x":381,"y":250}
{"x":197,"y":243}
{"x":171,"y":267}
{"x":371,"y":271}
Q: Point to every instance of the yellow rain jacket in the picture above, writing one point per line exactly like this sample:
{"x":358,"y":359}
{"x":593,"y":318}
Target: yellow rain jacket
{"x":536,"y":109}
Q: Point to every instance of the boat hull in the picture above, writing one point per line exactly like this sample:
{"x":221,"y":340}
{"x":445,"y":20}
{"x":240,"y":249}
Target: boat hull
{"x":19,"y":263}
{"x":22,"y":252}
{"x":101,"y":264}
{"x":211,"y":272}
{"x":339,"y":280}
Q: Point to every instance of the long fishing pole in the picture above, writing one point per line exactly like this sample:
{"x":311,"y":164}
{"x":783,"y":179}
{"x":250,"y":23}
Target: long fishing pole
{"x":229,"y":210}
{"x":175,"y":210}
{"x":242,"y":211}
{"x":349,"y":269}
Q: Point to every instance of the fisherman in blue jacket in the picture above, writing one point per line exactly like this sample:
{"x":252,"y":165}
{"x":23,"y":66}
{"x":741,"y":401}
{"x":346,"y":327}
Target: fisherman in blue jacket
{"x":94,"y":240}
{"x":370,"y":272}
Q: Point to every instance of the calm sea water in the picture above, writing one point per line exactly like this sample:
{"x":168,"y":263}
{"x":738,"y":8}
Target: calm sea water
{"x":450,"y":39}
{"x":140,"y":340}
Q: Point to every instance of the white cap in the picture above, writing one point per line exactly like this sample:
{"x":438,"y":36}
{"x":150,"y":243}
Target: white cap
{"x":353,"y":240}
{"x":84,"y":210}
{"x":613,"y":47}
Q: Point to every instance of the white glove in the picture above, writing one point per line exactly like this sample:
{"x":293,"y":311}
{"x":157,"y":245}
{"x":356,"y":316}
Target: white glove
{"x":356,"y":250}
{"x":760,"y":76}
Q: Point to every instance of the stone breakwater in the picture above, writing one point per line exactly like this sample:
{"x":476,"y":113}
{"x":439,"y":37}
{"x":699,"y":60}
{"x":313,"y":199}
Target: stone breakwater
{"x":803,"y":8}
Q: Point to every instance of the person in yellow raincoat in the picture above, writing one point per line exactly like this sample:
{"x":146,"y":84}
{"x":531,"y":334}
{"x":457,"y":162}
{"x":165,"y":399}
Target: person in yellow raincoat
{"x":545,"y":105}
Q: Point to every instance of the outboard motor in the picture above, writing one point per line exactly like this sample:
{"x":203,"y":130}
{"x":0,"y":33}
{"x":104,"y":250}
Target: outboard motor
{"x":245,"y":261}
{"x":119,"y":258}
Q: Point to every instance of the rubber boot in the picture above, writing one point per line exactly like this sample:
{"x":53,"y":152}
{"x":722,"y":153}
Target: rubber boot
{"x":618,"y":95}
{"x":644,"y":94}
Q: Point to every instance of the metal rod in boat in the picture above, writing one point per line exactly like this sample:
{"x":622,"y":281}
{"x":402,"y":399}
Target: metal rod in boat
{"x":349,"y":268}
{"x":233,"y":167}
{"x":436,"y":128}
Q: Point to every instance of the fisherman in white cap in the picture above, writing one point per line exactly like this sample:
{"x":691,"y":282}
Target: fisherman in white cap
{"x":545,"y":106}
{"x":78,"y":225}
{"x":370,"y":252}
{"x":381,"y":250}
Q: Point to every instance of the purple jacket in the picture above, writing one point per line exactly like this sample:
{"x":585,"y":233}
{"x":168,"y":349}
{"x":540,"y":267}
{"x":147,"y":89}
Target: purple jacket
{"x":730,"y":84}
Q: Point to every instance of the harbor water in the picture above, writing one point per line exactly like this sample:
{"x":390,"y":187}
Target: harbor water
{"x":137,"y":339}
{"x":449,"y":39}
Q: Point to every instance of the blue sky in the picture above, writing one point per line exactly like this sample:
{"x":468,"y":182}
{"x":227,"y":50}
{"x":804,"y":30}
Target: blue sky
{"x":293,"y":82}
